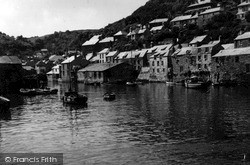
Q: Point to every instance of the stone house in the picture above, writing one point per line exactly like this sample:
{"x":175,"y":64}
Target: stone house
{"x":107,"y":42}
{"x":102,"y":55}
{"x":141,"y":59}
{"x":243,"y":7}
{"x":199,"y":40}
{"x":242,"y":40}
{"x":204,"y":56}
{"x":159,"y":62}
{"x":158,"y":22}
{"x":121,"y":35}
{"x":182,"y":21}
{"x":106,"y":73}
{"x":199,"y":6}
{"x":206,"y":16}
{"x":110,"y":57}
{"x":54,"y":74}
{"x":183,"y":63}
{"x":10,"y":74}
{"x":231,"y":65}
{"x":91,"y":46}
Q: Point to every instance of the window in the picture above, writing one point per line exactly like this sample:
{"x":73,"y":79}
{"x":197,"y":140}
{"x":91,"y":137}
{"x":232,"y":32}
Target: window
{"x":163,"y":70}
{"x":199,"y":66}
{"x":162,"y":63}
{"x":153,"y":63}
{"x":247,"y":68}
{"x":181,"y":68}
{"x":206,"y":49}
{"x":205,"y":66}
{"x":94,"y":74}
{"x":158,"y":70}
{"x":236,"y":58}
{"x":199,"y":58}
{"x":158,"y":63}
{"x":205,"y":57}
{"x":100,"y":75}
{"x":199,"y":50}
{"x":153,"y":70}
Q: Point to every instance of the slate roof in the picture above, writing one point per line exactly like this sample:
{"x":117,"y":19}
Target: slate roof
{"x":198,"y":39}
{"x":55,"y":58}
{"x":10,"y":60}
{"x":200,"y":3}
{"x":141,"y":31}
{"x":243,"y":36}
{"x":160,"y":20}
{"x":107,"y":39}
{"x":69,"y":60}
{"x":244,"y":4}
{"x":159,"y":48}
{"x":98,"y":67}
{"x":132,"y":54}
{"x":185,"y":50}
{"x":122,"y":55}
{"x":212,"y":10}
{"x":92,"y":41}
{"x":228,"y":46}
{"x":89,"y":56}
{"x":210,"y":44}
{"x":184,"y":17}
{"x":121,"y":33}
{"x":233,"y":52}
{"x":143,"y":52}
{"x":156,"y":28}
{"x":95,"y":58}
{"x":111,"y":54}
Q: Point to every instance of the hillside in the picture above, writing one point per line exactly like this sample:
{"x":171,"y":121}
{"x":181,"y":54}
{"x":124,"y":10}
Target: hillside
{"x":225,"y":25}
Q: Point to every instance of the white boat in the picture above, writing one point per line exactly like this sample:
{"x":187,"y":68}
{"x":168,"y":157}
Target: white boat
{"x":170,"y":83}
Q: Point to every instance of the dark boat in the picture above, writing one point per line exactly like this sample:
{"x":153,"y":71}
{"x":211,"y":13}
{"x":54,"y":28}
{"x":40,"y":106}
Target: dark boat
{"x":4,"y":104}
{"x":74,"y":98}
{"x":109,"y":96}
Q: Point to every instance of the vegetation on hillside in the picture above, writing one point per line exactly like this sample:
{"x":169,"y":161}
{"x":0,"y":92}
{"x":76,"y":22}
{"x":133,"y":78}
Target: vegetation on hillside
{"x":224,"y":26}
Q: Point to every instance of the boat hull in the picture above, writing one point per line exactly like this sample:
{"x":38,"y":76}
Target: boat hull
{"x":109,"y":97}
{"x":74,"y":98}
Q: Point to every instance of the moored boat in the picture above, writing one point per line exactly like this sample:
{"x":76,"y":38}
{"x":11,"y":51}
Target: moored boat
{"x":194,"y":82}
{"x":74,"y":98}
{"x":130,"y":83}
{"x":109,"y":96}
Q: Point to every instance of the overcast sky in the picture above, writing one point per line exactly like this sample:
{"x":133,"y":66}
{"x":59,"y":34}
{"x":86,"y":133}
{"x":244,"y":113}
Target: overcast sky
{"x":41,"y":17}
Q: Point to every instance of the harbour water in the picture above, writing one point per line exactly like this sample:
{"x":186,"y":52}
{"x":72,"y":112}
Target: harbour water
{"x":147,"y":124}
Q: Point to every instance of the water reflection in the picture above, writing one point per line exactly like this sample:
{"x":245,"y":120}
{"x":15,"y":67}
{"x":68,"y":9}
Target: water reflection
{"x":150,"y":123}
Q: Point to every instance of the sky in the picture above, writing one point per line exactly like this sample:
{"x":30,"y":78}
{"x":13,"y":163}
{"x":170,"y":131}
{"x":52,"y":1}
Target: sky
{"x":40,"y":17}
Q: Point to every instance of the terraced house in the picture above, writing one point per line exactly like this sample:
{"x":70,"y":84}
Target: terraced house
{"x":159,"y":62}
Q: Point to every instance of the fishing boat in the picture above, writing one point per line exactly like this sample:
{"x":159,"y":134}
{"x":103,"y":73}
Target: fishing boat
{"x":74,"y":98}
{"x":4,"y":104}
{"x":109,"y":96}
{"x":194,"y":82}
